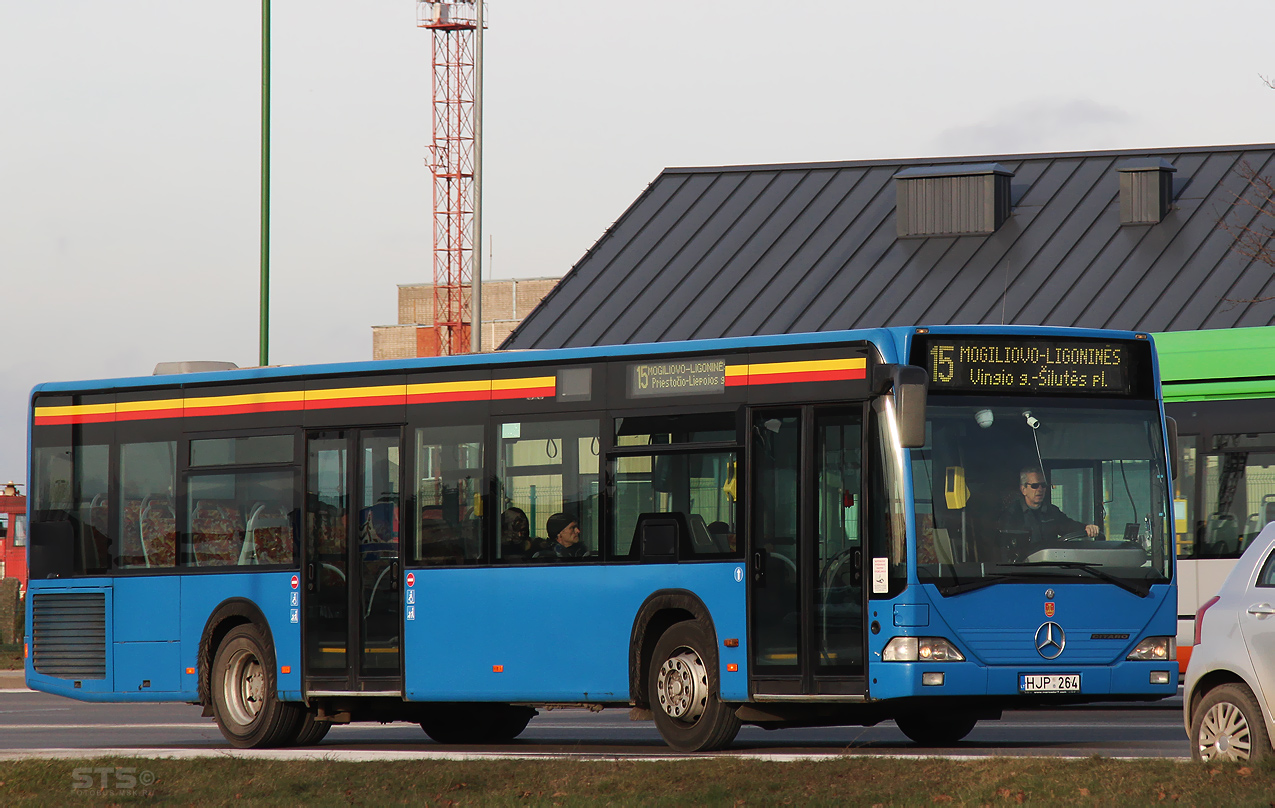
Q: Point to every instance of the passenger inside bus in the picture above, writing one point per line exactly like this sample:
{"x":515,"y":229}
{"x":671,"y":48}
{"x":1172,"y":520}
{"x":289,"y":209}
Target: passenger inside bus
{"x":515,"y":538}
{"x":564,"y":539}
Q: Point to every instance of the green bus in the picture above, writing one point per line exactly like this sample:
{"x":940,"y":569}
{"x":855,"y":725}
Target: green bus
{"x":1217,"y":385}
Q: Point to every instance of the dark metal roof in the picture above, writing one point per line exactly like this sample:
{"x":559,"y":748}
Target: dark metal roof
{"x":737,"y":250}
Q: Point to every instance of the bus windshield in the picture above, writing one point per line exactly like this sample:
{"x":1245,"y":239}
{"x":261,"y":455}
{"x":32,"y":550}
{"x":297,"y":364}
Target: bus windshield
{"x":1013,"y":490}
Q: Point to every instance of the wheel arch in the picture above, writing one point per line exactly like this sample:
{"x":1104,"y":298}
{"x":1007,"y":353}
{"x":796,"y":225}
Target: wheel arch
{"x":658,"y":612}
{"x":228,"y":614}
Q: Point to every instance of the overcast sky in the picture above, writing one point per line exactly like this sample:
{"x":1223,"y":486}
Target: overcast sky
{"x":129,"y":141}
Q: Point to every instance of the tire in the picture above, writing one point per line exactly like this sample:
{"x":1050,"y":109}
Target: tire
{"x":682,"y":686}
{"x":244,"y":693}
{"x":930,"y":730}
{"x":1228,"y":725}
{"x":310,"y":731}
{"x":477,"y":723}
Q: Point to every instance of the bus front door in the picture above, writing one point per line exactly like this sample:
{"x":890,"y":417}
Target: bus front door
{"x":351,"y":562}
{"x":806,"y":552}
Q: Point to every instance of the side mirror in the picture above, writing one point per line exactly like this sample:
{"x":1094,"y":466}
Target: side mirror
{"x":1171,"y":427}
{"x":911,"y":384}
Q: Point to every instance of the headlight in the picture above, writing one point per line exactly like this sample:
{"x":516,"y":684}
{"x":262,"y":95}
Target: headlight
{"x":1155,"y":649}
{"x":921,"y":649}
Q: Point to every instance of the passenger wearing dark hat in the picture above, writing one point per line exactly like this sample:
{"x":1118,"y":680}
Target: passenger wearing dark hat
{"x":564,"y":538}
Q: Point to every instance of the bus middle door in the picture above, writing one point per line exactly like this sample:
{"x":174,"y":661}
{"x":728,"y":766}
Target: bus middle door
{"x":351,"y":631}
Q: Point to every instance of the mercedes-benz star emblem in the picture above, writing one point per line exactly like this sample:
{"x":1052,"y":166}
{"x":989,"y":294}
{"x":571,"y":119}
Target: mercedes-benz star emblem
{"x":1050,"y":640}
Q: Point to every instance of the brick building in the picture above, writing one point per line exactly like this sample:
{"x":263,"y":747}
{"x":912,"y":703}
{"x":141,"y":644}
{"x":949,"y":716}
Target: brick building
{"x":505,"y":303}
{"x":13,"y":535}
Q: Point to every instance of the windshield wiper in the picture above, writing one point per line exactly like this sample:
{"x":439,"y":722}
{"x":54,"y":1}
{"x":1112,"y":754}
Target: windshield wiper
{"x":1141,"y":591}
{"x":977,"y":583}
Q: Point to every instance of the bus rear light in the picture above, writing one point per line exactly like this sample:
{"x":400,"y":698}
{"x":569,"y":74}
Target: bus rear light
{"x":920,"y":649}
{"x":1199,"y":617}
{"x":1155,"y":649}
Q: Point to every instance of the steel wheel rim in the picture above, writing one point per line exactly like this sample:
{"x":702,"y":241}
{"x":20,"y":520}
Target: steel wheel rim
{"x":682,"y":685}
{"x":243,"y":688}
{"x":1224,"y":733}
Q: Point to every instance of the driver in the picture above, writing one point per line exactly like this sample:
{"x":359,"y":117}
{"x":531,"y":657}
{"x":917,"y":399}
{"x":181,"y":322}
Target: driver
{"x":1042,"y":521}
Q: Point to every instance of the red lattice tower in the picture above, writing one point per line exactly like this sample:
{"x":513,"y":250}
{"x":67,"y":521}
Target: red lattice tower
{"x":452,"y":164}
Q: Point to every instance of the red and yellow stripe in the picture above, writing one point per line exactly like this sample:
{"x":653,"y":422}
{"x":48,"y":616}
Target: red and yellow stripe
{"x":326,"y":399}
{"x":818,"y":370}
{"x":765,"y":373}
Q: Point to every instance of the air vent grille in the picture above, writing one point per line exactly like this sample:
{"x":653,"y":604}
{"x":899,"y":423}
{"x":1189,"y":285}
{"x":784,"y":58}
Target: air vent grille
{"x":69,"y":634}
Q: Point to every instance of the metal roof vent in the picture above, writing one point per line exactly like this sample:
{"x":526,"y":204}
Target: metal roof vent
{"x":166,"y":368}
{"x":952,"y":200}
{"x":1146,"y":190}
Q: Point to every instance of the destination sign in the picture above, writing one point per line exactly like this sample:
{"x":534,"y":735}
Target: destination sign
{"x":1028,"y":365}
{"x":683,"y":377}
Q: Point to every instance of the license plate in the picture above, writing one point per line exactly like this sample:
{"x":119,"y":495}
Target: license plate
{"x":1049,"y":682}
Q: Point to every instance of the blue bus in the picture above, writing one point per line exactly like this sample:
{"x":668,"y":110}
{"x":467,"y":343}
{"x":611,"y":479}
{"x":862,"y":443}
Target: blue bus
{"x":924,"y":525}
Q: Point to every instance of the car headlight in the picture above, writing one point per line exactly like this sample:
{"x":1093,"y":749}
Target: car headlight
{"x":921,"y":649}
{"x":1155,"y":649}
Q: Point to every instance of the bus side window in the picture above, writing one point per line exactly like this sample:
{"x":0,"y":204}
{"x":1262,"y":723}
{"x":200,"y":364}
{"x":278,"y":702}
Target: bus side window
{"x":147,"y":534}
{"x":449,"y":506}
{"x":545,"y":468}
{"x":70,"y":486}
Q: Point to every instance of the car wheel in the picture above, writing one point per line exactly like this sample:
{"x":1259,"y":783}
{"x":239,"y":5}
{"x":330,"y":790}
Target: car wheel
{"x":1228,"y":725}
{"x":244,"y":693}
{"x":682,"y":688}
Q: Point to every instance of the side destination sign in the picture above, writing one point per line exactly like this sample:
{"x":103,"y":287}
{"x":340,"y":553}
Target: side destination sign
{"x":677,"y":378}
{"x":1018,"y":365}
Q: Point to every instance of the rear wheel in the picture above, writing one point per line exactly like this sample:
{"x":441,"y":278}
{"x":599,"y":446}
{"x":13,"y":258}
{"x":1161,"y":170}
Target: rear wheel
{"x":1228,"y":725}
{"x":931,"y":730}
{"x":682,"y":688}
{"x":477,"y":723}
{"x":244,"y":693}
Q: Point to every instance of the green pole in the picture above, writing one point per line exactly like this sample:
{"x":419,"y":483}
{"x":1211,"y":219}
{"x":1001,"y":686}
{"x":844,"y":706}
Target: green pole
{"x":264,"y":352}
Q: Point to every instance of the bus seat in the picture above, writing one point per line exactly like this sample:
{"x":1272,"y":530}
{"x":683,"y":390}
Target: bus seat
{"x":701,"y":540}
{"x":159,"y":533}
{"x":216,"y":533}
{"x":96,"y":545}
{"x":1223,"y":535}
{"x":131,"y":551}
{"x":268,"y":536}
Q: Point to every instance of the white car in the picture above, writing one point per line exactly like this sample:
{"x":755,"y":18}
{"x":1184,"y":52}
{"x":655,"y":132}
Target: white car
{"x":1230,"y":680}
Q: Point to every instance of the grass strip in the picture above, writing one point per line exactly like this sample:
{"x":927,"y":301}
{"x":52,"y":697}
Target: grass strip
{"x":857,"y":781}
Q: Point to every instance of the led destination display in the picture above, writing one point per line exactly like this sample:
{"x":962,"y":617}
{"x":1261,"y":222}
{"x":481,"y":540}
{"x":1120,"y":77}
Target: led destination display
{"x":1005,"y":365}
{"x":677,"y":378}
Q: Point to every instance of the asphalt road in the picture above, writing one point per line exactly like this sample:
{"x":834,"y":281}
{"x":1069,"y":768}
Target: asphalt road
{"x":39,"y":725}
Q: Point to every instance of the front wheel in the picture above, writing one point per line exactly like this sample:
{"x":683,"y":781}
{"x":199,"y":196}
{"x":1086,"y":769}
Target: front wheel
{"x":1228,"y":725}
{"x":682,"y":688}
{"x":245,"y":701}
{"x":931,"y":730}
